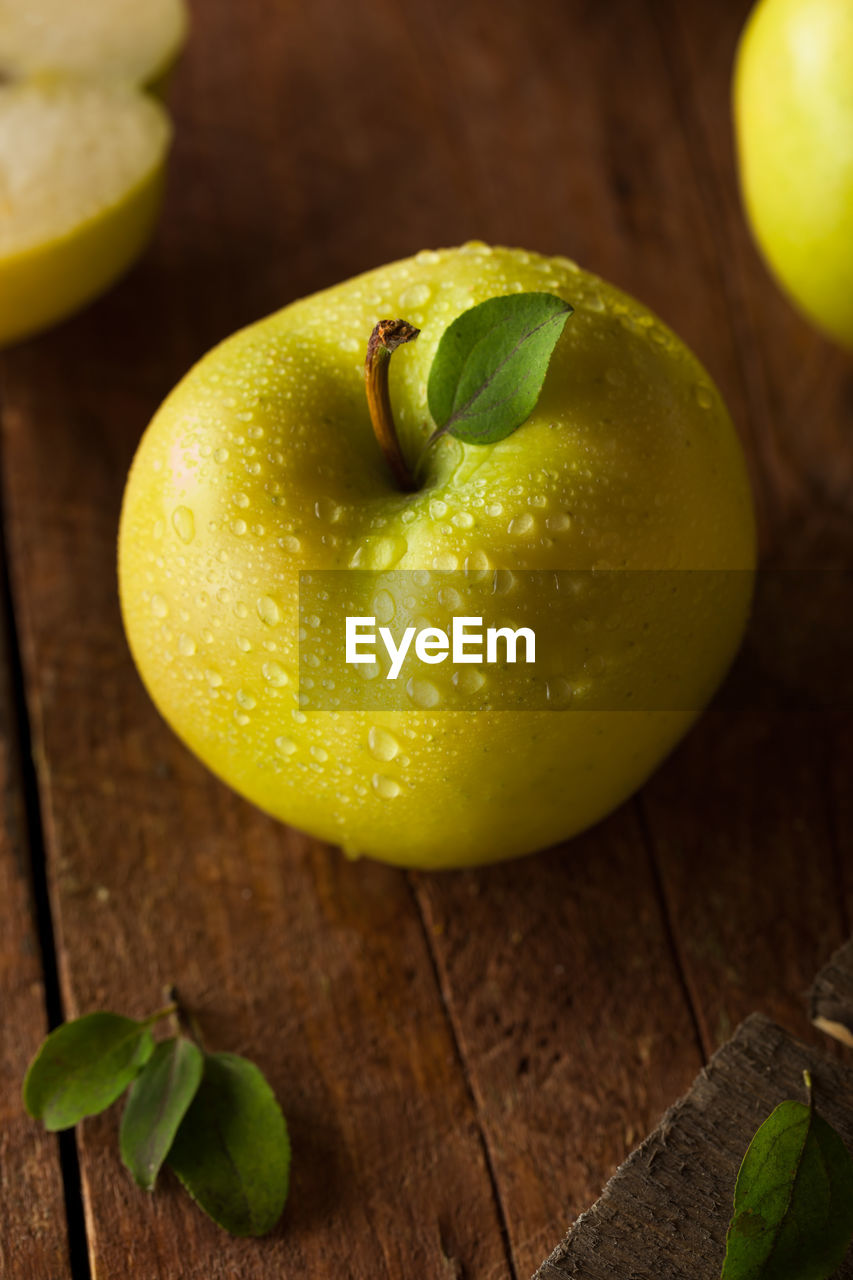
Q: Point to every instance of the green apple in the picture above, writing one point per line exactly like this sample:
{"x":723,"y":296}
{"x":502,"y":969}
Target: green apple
{"x":124,"y":41}
{"x":793,"y":106}
{"x":262,"y":463}
{"x":81,"y":176}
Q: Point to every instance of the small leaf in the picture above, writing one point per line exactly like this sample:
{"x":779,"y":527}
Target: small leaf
{"x":83,"y":1066}
{"x":156,"y":1105}
{"x":793,"y":1206}
{"x":232,"y":1152}
{"x":491,"y":363}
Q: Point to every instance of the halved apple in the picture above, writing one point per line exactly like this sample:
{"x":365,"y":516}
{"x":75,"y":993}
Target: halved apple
{"x":81,"y":175}
{"x":127,"y":41}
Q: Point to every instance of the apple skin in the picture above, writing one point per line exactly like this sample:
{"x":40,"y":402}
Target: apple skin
{"x":793,"y":108}
{"x":262,"y":462}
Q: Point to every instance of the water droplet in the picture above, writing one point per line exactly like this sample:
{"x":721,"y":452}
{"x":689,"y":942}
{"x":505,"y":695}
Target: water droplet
{"x":387,"y":788}
{"x":463,"y":520}
{"x":159,"y":607}
{"x":220,"y":455}
{"x":243,"y":644}
{"x":382,"y":553}
{"x":468,"y":680}
{"x":558,"y":691}
{"x":285,"y":746}
{"x":241,"y":717}
{"x":383,"y":606}
{"x":214,"y":679}
{"x":186,"y":646}
{"x":427,"y":257}
{"x":245,"y":699}
{"x":320,"y":754}
{"x":238,"y":527}
{"x":494,"y":509}
{"x":558,"y":522}
{"x":415,"y":296}
{"x":240,"y":500}
{"x":704,"y":395}
{"x":268,"y":611}
{"x":437,"y":508}
{"x":274,"y":674}
{"x":240,"y":610}
{"x":445,"y":560}
{"x":423,"y":692}
{"x":183,"y":523}
{"x":289,"y":543}
{"x":522,"y":524}
{"x":382,"y":744}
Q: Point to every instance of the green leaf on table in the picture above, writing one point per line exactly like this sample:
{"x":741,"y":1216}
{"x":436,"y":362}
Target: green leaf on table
{"x":491,"y":363}
{"x":232,"y":1152}
{"x":793,"y":1205}
{"x":83,"y":1066}
{"x":156,"y":1105}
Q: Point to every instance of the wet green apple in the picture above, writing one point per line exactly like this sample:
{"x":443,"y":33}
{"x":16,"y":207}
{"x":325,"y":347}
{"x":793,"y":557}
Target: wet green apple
{"x":263,"y":463}
{"x":793,"y":105}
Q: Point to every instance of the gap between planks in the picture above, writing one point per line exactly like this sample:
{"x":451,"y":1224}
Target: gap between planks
{"x":21,"y":744}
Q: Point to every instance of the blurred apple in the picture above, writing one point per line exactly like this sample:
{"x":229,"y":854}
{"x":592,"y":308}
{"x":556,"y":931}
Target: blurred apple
{"x":793,"y":106}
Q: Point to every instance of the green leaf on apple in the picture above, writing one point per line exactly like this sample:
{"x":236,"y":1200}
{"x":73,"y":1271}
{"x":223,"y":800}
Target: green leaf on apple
{"x":793,"y":1204}
{"x":490,"y":365}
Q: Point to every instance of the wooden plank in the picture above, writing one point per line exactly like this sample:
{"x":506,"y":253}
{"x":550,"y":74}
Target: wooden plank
{"x":742,"y":821}
{"x":831,"y":996}
{"x":666,"y":1212}
{"x":33,"y":1234}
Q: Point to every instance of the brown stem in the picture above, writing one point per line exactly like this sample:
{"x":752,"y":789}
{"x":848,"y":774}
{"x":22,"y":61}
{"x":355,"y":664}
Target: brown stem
{"x":187,"y":1024}
{"x":387,"y":336}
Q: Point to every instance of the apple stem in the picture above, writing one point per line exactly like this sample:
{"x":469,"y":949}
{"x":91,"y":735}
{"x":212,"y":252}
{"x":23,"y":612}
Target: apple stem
{"x":386,"y":337}
{"x":186,"y":1023}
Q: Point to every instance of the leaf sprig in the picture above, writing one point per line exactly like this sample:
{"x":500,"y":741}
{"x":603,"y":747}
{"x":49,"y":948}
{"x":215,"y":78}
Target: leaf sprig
{"x":793,"y":1203}
{"x":211,"y":1117}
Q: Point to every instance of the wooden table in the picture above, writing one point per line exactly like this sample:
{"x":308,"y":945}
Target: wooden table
{"x":463,"y":1058}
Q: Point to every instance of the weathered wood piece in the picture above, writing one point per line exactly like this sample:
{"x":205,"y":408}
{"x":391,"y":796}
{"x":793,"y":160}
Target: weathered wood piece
{"x":831,"y":996}
{"x":33,"y":1235}
{"x":664,"y":1214}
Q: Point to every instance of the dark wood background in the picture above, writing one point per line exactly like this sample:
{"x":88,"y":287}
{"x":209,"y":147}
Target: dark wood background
{"x":463,"y":1058}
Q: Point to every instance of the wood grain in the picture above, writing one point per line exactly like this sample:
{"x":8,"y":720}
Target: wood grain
{"x":666,"y":1211}
{"x":33,"y":1235}
{"x":464,"y":1059}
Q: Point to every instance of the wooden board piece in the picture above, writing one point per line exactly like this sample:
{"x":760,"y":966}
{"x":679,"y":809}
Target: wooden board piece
{"x":33,"y":1235}
{"x":831,"y":996}
{"x":665,"y":1213}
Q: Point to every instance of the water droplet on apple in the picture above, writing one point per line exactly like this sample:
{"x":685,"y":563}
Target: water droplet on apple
{"x":289,"y":543}
{"x":246,"y":701}
{"x":214,"y":679}
{"x":558,"y":522}
{"x":383,"y":606}
{"x":387,"y":788}
{"x":183,"y":523}
{"x":274,"y":674}
{"x":220,"y":455}
{"x":463,"y":520}
{"x":415,"y":296}
{"x":319,"y":754}
{"x":437,"y":508}
{"x":243,"y":644}
{"x":240,"y":610}
{"x":558,"y":691}
{"x":268,"y":611}
{"x":427,"y":257}
{"x":704,"y":396}
{"x":186,"y":646}
{"x":468,"y":680}
{"x":445,"y":560}
{"x":477,"y":562}
{"x":381,"y":553}
{"x":159,"y":607}
{"x":285,"y":746}
{"x":241,"y":718}
{"x":522,"y":524}
{"x":382,"y":744}
{"x":238,"y":527}
{"x":423,"y":692}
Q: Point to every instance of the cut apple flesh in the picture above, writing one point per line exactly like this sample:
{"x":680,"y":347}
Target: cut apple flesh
{"x":81,"y":170}
{"x":133,"y":41}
